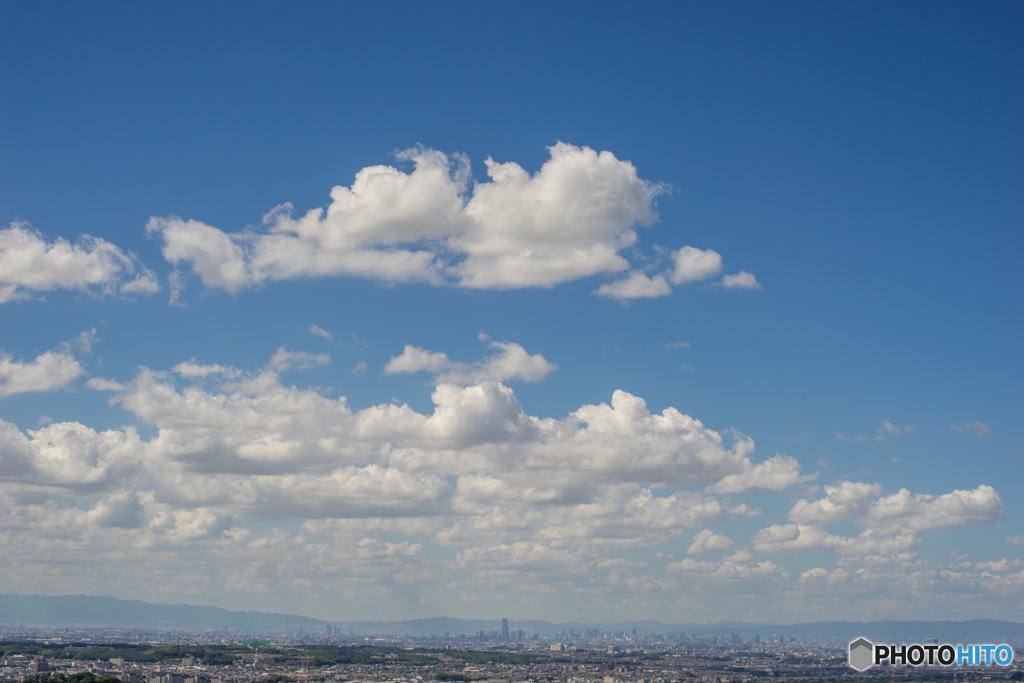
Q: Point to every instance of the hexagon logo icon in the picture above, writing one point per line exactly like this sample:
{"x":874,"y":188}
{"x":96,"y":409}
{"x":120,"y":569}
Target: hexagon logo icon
{"x":861,"y":654}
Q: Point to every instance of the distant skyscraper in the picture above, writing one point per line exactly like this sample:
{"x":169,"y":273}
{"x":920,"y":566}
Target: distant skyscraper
{"x":504,"y":629}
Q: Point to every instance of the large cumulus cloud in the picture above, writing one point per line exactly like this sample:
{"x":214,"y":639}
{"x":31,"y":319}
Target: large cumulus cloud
{"x":571,"y":219}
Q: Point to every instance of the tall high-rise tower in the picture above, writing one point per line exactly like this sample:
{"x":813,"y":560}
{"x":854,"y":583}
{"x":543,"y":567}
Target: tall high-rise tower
{"x":504,"y":629}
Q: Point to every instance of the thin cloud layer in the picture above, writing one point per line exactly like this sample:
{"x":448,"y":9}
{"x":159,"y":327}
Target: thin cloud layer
{"x":29,"y":264}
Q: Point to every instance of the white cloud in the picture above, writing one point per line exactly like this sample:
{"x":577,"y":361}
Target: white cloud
{"x":414,"y":359}
{"x":359,"y":367}
{"x":620,"y":515}
{"x":816,"y":573}
{"x":28,"y":264}
{"x":177,"y":285}
{"x":219,"y":261}
{"x":511,"y":362}
{"x":636,"y":286}
{"x":727,"y":569}
{"x":522,"y":556}
{"x":49,"y":371}
{"x":798,"y":537}
{"x":886,"y":431}
{"x":690,"y":265}
{"x":1003,"y":565}
{"x":974,"y":428}
{"x":283,"y":360}
{"x":349,"y":492}
{"x":677,"y":345}
{"x":475,"y":496}
{"x":320,"y":332}
{"x":891,"y":523}
{"x":567,"y":221}
{"x":626,"y":439}
{"x":68,"y":456}
{"x":706,"y":540}
{"x":253,"y":423}
{"x":122,"y":510}
{"x":895,"y":557}
{"x":904,"y":511}
{"x":191,"y":368}
{"x":1014,"y":540}
{"x":741,"y":555}
{"x":840,"y":502}
{"x":741,"y":280}
{"x":463,"y":417}
{"x":744,"y":510}
{"x":248,"y":446}
{"x":104,"y":384}
{"x":694,"y":264}
{"x":895,"y":430}
{"x":83,"y":341}
{"x":774,"y":474}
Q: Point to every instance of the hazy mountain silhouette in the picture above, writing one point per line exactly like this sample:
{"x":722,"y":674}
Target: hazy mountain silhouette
{"x":83,"y":610}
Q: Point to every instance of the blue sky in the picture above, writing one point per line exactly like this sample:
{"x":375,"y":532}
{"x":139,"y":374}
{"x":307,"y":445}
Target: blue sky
{"x":798,"y":224}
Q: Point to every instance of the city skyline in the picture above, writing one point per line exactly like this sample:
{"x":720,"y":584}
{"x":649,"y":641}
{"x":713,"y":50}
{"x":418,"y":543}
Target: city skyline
{"x":691,"y":313}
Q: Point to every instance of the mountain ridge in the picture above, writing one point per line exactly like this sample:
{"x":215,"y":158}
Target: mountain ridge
{"x":99,"y":611}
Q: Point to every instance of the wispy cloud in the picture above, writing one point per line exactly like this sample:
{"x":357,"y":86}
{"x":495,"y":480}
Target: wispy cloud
{"x":975,"y":429}
{"x":320,"y":332}
{"x":885,"y":432}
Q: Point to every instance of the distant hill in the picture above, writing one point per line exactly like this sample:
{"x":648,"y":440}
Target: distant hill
{"x":83,"y":611}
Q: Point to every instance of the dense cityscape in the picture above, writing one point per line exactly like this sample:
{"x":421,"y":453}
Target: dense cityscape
{"x":111,"y":655}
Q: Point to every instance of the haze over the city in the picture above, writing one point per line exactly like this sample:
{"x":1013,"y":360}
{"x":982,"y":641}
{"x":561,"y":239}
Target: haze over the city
{"x":581,"y":312}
